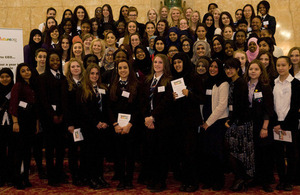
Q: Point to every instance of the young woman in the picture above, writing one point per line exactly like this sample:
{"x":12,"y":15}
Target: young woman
{"x":123,"y":15}
{"x":77,"y":51}
{"x":50,"y":21}
{"x":216,"y":14}
{"x":211,"y":7}
{"x":248,"y":14}
{"x":218,"y":50}
{"x":268,"y":21}
{"x":149,"y":32}
{"x":188,"y":13}
{"x":287,"y":104}
{"x":121,"y":30}
{"x":187,"y":119}
{"x":239,"y":39}
{"x":98,"y":11}
{"x":74,"y":76}
{"x":242,"y":57}
{"x":160,"y":46}
{"x":95,"y":27}
{"x":253,"y":49}
{"x":200,"y":48}
{"x":267,"y":44}
{"x":67,"y":27}
{"x":79,"y":15}
{"x":215,"y":113}
{"x":23,"y":109}
{"x":125,"y":81}
{"x":238,"y":15}
{"x":52,"y":38}
{"x":98,"y":48}
{"x":87,"y":39}
{"x":134,"y":40}
{"x":107,"y":18}
{"x":130,"y":29}
{"x":6,"y":84}
{"x":173,"y":37}
{"x":201,"y":32}
{"x":89,"y":59}
{"x":239,"y":135}
{"x":111,"y":39}
{"x":155,"y":104}
{"x":92,"y":106}
{"x":67,"y":14}
{"x":174,"y":16}
{"x":51,"y":91}
{"x":228,"y":49}
{"x":225,"y":20}
{"x":227,"y":32}
{"x":194,"y":20}
{"x":261,"y":111}
{"x":162,"y":28}
{"x":152,"y":15}
{"x":51,"y":12}
{"x":267,"y":60}
{"x":164,"y":12}
{"x":208,"y":19}
{"x":294,"y":55}
{"x":64,"y":47}
{"x":142,"y":63}
{"x":35,"y":42}
{"x":187,"y":47}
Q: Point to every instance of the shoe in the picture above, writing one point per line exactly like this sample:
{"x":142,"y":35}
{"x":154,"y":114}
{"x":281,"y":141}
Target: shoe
{"x":288,"y":187}
{"x":129,"y":185}
{"x":267,"y":188}
{"x":280,"y":186}
{"x":27,"y":184}
{"x":94,"y":184}
{"x":103,"y":183}
{"x":192,"y":188}
{"x":159,"y":188}
{"x":238,"y":185}
{"x":183,"y":188}
{"x":121,"y":186}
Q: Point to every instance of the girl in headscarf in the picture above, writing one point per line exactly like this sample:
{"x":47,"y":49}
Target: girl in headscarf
{"x":200,"y":48}
{"x":187,"y":47}
{"x":173,"y":37}
{"x":253,"y":49}
{"x":35,"y":42}
{"x":159,"y":46}
{"x":142,"y":62}
{"x":218,"y":48}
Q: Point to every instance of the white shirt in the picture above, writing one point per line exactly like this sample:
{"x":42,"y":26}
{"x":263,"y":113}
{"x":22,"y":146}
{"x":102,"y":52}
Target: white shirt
{"x":282,"y":97}
{"x":54,"y":72}
{"x":297,"y":76}
{"x":157,"y":78}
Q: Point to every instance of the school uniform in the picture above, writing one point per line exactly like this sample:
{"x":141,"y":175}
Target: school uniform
{"x":52,"y":90}
{"x":90,"y":112}
{"x":262,"y":108}
{"x":156,"y":103}
{"x":269,"y":22}
{"x":286,"y":104}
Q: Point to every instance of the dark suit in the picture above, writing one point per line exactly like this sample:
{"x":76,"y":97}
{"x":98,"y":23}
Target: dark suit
{"x":270,"y":23}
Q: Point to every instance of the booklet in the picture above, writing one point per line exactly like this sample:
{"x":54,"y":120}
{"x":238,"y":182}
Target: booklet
{"x":178,"y":85}
{"x":123,"y":119}
{"x":280,"y":137}
{"x":77,"y":135}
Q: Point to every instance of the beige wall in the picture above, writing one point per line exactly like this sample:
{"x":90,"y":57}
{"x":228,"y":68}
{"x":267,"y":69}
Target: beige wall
{"x":28,"y":14}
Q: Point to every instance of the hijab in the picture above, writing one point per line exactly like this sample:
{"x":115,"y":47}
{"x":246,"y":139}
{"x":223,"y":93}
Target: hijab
{"x":177,"y":42}
{"x":221,"y":54}
{"x":206,"y":47}
{"x":217,"y":79}
{"x":251,"y":56}
{"x":165,"y":51}
{"x":33,"y":45}
{"x":143,"y":65}
{"x":187,"y":65}
{"x":190,"y":53}
{"x":4,"y":90}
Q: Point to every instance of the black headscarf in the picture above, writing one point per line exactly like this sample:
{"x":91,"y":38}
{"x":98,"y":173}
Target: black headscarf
{"x":33,"y":45}
{"x":187,"y":65}
{"x":4,"y":90}
{"x":143,"y":65}
{"x":190,"y":53}
{"x":220,"y":55}
{"x":165,"y":51}
{"x":219,"y":78}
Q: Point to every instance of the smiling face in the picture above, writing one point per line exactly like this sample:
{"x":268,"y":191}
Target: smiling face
{"x":247,"y":12}
{"x":37,"y":38}
{"x":239,"y":15}
{"x":172,"y":51}
{"x":225,"y":19}
{"x":54,"y":35}
{"x":111,"y":40}
{"x":175,"y":15}
{"x":25,"y":73}
{"x":150,"y":29}
{"x":213,"y":69}
{"x":295,"y":57}
{"x":178,"y":65}
{"x":94,"y":76}
{"x":158,"y":65}
{"x":125,"y":12}
{"x":41,"y":59}
{"x":159,"y":45}
{"x":51,"y":13}
{"x":254,"y":71}
{"x":140,"y":54}
{"x":123,"y":70}
{"x":227,"y":34}
{"x":216,"y":15}
{"x":131,"y":27}
{"x":50,"y":23}
{"x":54,"y":61}
{"x":200,"y":68}
{"x":240,"y":38}
{"x":68,"y":27}
{"x":152,"y":16}
{"x":183,"y":24}
{"x":5,"y":79}
{"x":87,"y":42}
{"x":200,"y":50}
{"x":65,"y":44}
{"x":252,"y":47}
{"x":80,"y":14}
{"x":164,"y":13}
{"x":77,"y":49}
{"x":105,"y":12}
{"x":161,"y":26}
{"x":188,"y":13}
{"x":109,"y":56}
{"x":209,"y":21}
{"x":283,"y":67}
{"x":256,"y":24}
{"x":265,"y":60}
{"x":228,"y":49}
{"x":231,"y":72}
{"x":262,"y":9}
{"x":195,"y":17}
{"x":135,"y":41}
{"x":97,"y":47}
{"x":217,"y":46}
{"x":68,"y":14}
{"x":263,"y":46}
{"x":173,"y":36}
{"x":201,"y":33}
{"x":75,"y":69}
{"x":186,"y":47}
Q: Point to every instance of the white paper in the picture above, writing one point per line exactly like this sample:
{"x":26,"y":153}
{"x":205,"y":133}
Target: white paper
{"x":123,"y":119}
{"x":54,"y":107}
{"x":101,"y":91}
{"x":161,"y":89}
{"x":77,"y":135}
{"x":280,"y":137}
{"x":208,"y":92}
{"x":265,"y":23}
{"x":178,"y":85}
{"x":23,"y":104}
{"x":8,"y":96}
{"x":258,"y":95}
{"x":125,"y":94}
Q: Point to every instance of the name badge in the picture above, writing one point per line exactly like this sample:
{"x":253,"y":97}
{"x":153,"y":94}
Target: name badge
{"x":137,"y":74}
{"x":161,"y":89}
{"x":23,"y":104}
{"x":208,"y":91}
{"x":258,"y":95}
{"x":265,"y":23}
{"x":54,"y":107}
{"x":8,"y":96}
{"x":101,"y":91}
{"x":125,"y":94}
{"x":230,"y":107}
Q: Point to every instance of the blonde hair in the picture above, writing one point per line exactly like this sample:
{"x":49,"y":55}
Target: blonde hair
{"x":155,"y":13}
{"x":69,"y":75}
{"x":72,"y":55}
{"x":170,"y":20}
{"x":102,"y":46}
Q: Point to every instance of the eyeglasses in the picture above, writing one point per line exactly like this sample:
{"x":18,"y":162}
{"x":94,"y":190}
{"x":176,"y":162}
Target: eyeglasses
{"x":185,"y":45}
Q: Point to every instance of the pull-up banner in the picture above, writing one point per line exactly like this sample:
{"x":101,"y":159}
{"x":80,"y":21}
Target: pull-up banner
{"x":11,"y":48}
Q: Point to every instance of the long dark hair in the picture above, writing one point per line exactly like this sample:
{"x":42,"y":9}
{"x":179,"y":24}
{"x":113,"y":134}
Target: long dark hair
{"x":63,"y":16}
{"x":111,"y":17}
{"x":121,"y":17}
{"x":48,"y":38}
{"x":74,"y":16}
{"x":132,"y":83}
{"x":19,"y":78}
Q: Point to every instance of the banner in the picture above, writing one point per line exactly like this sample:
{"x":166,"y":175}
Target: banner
{"x":11,"y":48}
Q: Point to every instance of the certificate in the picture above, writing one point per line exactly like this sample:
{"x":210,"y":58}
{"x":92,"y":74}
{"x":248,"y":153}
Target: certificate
{"x":280,"y":137}
{"x":123,"y":119}
{"x":178,"y":85}
{"x":77,"y":135}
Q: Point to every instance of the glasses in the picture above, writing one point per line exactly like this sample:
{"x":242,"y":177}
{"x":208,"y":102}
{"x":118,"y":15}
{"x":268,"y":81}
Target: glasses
{"x":185,"y":45}
{"x":132,"y":15}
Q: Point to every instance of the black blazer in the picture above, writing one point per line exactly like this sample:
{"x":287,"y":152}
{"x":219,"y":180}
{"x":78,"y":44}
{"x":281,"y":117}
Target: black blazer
{"x":161,"y":103}
{"x":291,"y":120}
{"x":51,"y":92}
{"x":69,"y":106}
{"x":272,"y":23}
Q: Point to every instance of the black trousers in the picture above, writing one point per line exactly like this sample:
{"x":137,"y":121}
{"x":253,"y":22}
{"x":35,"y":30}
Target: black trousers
{"x":6,"y":153}
{"x":55,"y":149}
{"x":38,"y":145}
{"x":125,"y":152}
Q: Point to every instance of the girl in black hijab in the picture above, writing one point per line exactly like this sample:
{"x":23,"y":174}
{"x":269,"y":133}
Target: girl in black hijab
{"x":160,"y":46}
{"x":6,"y":84}
{"x":142,"y":62}
{"x":35,"y":42}
{"x":217,"y":49}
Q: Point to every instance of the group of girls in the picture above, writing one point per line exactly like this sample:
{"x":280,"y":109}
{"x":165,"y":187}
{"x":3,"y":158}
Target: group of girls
{"x":85,"y":77}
